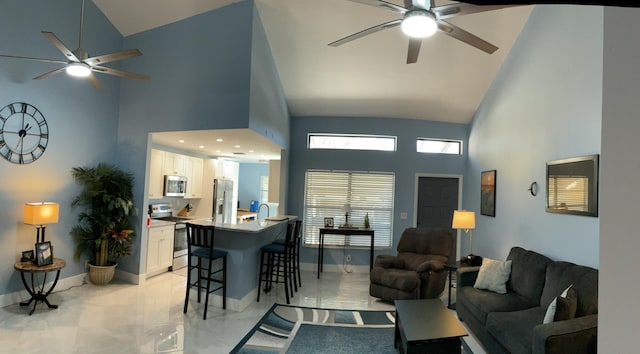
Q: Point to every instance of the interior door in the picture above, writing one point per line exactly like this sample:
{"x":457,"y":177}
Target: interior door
{"x":437,"y":199}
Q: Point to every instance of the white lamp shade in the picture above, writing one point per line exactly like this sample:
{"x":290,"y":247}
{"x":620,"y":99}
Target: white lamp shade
{"x":41,"y":213}
{"x":463,"y":219}
{"x":347,"y":209}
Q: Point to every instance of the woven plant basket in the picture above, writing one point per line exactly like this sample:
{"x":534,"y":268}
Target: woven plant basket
{"x":101,"y":275}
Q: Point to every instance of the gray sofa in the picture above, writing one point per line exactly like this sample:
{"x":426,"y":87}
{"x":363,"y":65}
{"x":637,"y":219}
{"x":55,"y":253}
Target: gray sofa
{"x":417,"y":271}
{"x":512,"y":322}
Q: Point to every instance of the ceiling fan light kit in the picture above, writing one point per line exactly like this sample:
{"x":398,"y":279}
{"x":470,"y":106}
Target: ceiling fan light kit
{"x":419,"y":24}
{"x":78,"y":70}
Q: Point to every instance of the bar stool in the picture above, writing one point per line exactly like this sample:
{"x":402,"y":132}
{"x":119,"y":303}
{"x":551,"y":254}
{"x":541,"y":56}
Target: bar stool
{"x":295,"y":254}
{"x":276,"y":260}
{"x":200,"y":241}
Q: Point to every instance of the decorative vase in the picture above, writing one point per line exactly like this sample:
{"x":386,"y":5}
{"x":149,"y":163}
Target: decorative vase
{"x":101,"y":275}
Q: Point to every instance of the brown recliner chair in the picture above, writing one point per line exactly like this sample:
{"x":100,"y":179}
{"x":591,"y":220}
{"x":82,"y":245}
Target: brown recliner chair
{"x":417,"y":272}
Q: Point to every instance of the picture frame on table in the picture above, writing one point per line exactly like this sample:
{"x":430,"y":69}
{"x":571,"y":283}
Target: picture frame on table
{"x":27,"y":256}
{"x":44,"y":253}
{"x":328,"y":222}
{"x":488,"y":193}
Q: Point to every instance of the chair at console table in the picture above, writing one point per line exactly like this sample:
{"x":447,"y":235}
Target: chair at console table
{"x":345,"y":232}
{"x":37,"y":291}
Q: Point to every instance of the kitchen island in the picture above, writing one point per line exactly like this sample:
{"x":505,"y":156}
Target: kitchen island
{"x":243,"y":242}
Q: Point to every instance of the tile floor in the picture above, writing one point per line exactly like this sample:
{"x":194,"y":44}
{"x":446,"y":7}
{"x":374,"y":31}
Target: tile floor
{"x":124,"y":318}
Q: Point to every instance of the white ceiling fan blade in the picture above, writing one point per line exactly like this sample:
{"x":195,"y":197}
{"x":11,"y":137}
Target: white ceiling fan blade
{"x":464,"y":36}
{"x":61,"y":47}
{"x":381,"y":3}
{"x":94,"y":81}
{"x":452,"y":10}
{"x":107,"y":58}
{"x":34,"y":59}
{"x":366,"y":32}
{"x":110,"y":71}
{"x":50,"y":73}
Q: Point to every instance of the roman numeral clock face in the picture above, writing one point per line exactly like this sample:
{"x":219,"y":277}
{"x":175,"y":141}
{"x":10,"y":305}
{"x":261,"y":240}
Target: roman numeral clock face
{"x":24,"y":133}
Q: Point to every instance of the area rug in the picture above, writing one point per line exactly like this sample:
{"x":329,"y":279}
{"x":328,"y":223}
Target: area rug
{"x":291,"y":329}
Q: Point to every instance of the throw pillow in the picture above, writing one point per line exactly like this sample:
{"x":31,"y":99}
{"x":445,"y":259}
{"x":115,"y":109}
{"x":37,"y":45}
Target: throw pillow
{"x":563,"y":307}
{"x":493,"y":275}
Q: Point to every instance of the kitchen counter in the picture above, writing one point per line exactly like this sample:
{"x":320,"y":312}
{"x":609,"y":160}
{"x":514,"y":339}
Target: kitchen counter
{"x":254,"y":226}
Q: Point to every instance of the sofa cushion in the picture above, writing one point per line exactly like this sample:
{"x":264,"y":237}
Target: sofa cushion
{"x":528,"y":272}
{"x":584,"y":279}
{"x":481,"y":302}
{"x":413,"y":260}
{"x":493,"y":275}
{"x":514,"y":330}
{"x":562,"y":307}
{"x":401,"y":279}
{"x":426,"y":241}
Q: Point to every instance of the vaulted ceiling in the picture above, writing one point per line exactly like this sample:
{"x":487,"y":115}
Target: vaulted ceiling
{"x":368,"y":77}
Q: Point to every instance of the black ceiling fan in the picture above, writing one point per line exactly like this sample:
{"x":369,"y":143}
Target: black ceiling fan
{"x":79,"y":63}
{"x":424,"y":18}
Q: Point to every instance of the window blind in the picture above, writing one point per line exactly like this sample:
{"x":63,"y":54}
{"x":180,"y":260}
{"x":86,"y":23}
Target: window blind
{"x":326,"y":192}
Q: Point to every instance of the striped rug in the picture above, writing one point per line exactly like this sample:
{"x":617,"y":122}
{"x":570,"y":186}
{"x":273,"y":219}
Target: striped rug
{"x":291,"y":329}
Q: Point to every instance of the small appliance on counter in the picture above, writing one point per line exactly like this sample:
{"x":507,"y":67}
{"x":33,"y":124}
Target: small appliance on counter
{"x":184,"y":212}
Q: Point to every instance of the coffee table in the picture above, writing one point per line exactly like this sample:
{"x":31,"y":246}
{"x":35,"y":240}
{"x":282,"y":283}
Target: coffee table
{"x":427,"y":326}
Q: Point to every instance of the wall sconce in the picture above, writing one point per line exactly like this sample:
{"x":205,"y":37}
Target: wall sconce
{"x":41,"y":214}
{"x":533,"y":188}
{"x":466,"y":220}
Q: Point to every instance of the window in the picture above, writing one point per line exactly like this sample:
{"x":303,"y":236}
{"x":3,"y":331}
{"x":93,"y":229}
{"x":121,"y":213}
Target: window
{"x":326,"y":192}
{"x":264,"y":189}
{"x":352,"y":142}
{"x":437,"y":146}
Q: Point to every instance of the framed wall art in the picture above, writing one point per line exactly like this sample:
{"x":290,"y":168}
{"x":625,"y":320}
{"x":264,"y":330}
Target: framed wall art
{"x":488,"y":193}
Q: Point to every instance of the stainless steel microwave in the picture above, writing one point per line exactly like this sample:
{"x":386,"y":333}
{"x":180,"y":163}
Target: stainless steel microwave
{"x":175,"y":186}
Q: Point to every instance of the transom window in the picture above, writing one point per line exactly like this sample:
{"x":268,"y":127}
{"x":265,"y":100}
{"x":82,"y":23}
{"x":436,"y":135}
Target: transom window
{"x":326,"y":193}
{"x":352,"y":142}
{"x":439,"y":146}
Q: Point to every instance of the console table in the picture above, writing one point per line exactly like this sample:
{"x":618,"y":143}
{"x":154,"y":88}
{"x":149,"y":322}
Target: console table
{"x":427,"y":326}
{"x":37,"y":290}
{"x":345,"y":232}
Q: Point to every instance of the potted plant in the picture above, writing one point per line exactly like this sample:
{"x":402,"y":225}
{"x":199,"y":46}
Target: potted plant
{"x":103,"y":232}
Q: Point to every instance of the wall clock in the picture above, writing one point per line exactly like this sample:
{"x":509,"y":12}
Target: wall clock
{"x":24,"y":133}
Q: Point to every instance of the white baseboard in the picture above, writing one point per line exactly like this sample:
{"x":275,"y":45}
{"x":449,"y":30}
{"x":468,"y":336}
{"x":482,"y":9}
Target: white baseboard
{"x":232,"y":304}
{"x":63,"y":284}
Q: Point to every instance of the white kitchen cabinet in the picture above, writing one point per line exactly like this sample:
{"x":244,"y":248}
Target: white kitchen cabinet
{"x":156,"y":177}
{"x":194,"y":168}
{"x":159,"y":249}
{"x":174,"y":164}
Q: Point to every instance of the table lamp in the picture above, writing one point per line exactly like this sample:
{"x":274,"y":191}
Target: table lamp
{"x":466,"y":220}
{"x":41,"y":214}
{"x":346,"y":209}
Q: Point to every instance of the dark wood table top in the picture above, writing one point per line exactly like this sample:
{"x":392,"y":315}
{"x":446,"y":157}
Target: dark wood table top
{"x":58,"y":263}
{"x":428,"y":319}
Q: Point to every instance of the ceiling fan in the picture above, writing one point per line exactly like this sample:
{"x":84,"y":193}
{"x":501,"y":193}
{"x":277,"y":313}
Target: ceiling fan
{"x":421,"y":18}
{"x":79,"y":64}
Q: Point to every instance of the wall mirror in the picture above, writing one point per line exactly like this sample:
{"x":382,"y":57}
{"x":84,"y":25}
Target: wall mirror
{"x":572,"y":186}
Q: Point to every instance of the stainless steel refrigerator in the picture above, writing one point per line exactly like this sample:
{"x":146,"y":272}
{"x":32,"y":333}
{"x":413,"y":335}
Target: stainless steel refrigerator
{"x":222,"y":200}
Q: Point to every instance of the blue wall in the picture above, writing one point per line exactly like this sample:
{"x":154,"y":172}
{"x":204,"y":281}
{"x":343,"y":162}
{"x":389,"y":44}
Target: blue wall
{"x":405,"y":163}
{"x":249,"y":184}
{"x":82,"y":122}
{"x":544,"y":104}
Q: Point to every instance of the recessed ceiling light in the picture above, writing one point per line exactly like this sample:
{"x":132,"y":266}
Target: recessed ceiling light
{"x":219,"y":140}
{"x":217,"y":150}
{"x":250,"y":150}
{"x":201,"y":146}
{"x":237,"y":146}
{"x":181,"y":141}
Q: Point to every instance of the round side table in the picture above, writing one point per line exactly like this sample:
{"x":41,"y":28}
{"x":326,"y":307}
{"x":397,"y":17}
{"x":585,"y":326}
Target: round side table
{"x":36,"y":289}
